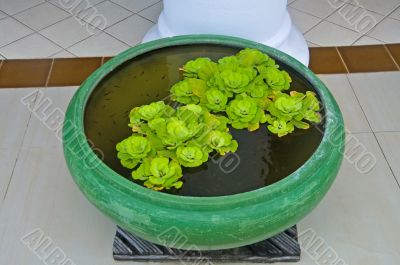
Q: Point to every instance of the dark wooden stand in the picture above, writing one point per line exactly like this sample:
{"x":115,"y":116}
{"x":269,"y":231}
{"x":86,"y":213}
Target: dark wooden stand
{"x":283,"y":247}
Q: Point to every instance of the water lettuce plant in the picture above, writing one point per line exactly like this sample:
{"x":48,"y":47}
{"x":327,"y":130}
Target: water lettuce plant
{"x":242,"y":91}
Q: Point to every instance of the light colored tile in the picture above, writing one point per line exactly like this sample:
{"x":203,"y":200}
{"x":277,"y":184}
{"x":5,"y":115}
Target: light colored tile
{"x":32,"y":46}
{"x":310,"y":44}
{"x":317,"y":8}
{"x":12,"y":7}
{"x":12,"y":30}
{"x":383,"y":7}
{"x":360,"y":213}
{"x":389,"y":142}
{"x":14,"y":116}
{"x":41,"y":16}
{"x":98,"y":45}
{"x":365,"y":40}
{"x":355,"y":18}
{"x":68,"y":32}
{"x":112,"y":13}
{"x":43,"y":129}
{"x":3,"y":15}
{"x":135,"y":5}
{"x":329,"y":34}
{"x":8,"y":156}
{"x":130,"y":30}
{"x":396,"y":14}
{"x":62,"y":54}
{"x":388,"y":31}
{"x":1,"y":57}
{"x":354,"y":118}
{"x":303,"y":21}
{"x":379,"y":96}
{"x":43,"y":195}
{"x":153,"y":12}
{"x":74,"y":7}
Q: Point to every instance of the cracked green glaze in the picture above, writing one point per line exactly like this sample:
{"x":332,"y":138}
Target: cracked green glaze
{"x":204,"y":222}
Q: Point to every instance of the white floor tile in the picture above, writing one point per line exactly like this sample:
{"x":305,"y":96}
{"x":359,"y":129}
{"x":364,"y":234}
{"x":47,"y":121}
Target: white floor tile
{"x":12,"y":7}
{"x":355,"y":18}
{"x":379,"y":96}
{"x":112,"y":13}
{"x":310,"y":44}
{"x":43,"y":195}
{"x":389,"y":142}
{"x":153,"y":12}
{"x":12,"y":30}
{"x":3,"y":15}
{"x":1,"y":57}
{"x":8,"y":157}
{"x":135,"y":5}
{"x":353,"y":115}
{"x":74,"y":7}
{"x":62,"y":54}
{"x":317,"y":8}
{"x":32,"y":46}
{"x":388,"y":31}
{"x":68,"y":32}
{"x":42,"y":16}
{"x":365,"y":40}
{"x":130,"y":30}
{"x":357,"y":218}
{"x":329,"y":34}
{"x":14,"y":116}
{"x":383,"y":7}
{"x":98,"y":45}
{"x":396,"y":14}
{"x":303,"y":21}
{"x":43,"y":126}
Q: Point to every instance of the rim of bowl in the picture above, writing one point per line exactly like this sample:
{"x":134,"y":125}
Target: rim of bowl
{"x":333,"y":117}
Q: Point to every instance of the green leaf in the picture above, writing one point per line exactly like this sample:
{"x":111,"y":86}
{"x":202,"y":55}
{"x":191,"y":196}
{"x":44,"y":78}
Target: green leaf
{"x":275,"y":78}
{"x":281,"y":128}
{"x":191,"y":155}
{"x":252,"y":57}
{"x":132,"y":149}
{"x":202,"y":68}
{"x":215,"y":100}
{"x":184,"y":91}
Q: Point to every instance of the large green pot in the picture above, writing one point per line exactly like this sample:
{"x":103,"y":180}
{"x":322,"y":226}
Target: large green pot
{"x":203,"y":222}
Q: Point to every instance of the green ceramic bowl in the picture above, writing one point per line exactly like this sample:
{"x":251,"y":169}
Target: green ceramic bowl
{"x":202,"y":222}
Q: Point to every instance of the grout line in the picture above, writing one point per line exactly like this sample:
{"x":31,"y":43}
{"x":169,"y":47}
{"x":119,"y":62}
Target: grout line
{"x":391,"y":56}
{"x":30,"y":34}
{"x":145,"y":18}
{"x":387,"y":162}
{"x":20,"y":148}
{"x":316,"y":45}
{"x":341,"y":58}
{"x":50,"y":72}
{"x":134,"y":11}
{"x":21,"y":11}
{"x":369,"y":124}
{"x":322,"y":19}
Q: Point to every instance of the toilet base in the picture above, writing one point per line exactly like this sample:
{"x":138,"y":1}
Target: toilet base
{"x":283,"y":247}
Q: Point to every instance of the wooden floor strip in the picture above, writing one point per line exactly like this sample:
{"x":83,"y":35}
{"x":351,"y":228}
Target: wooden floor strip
{"x":73,"y":71}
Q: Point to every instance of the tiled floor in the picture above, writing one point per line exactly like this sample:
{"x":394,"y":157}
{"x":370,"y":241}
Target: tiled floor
{"x":49,"y":28}
{"x":357,"y":219}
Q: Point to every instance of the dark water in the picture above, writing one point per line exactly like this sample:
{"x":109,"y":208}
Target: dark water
{"x":261,"y":159}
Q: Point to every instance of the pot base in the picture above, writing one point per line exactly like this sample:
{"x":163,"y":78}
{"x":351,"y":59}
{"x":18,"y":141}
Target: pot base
{"x":283,"y":247}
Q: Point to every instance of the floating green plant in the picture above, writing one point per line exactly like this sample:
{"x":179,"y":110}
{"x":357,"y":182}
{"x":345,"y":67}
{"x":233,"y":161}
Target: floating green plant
{"x":243,"y":91}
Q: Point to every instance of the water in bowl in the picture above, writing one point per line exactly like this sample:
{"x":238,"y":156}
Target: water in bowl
{"x":261,"y":160}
